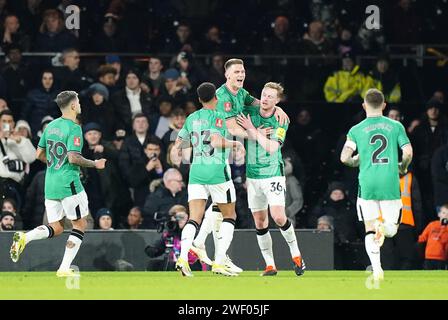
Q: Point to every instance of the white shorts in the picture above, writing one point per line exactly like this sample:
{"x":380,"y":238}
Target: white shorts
{"x":390,"y":210}
{"x":220,"y":193}
{"x":74,"y":207}
{"x":264,"y":192}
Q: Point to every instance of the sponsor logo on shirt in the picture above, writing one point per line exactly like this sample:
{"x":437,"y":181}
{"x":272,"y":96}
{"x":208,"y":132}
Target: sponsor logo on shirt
{"x":280,"y":133}
{"x":77,"y":141}
{"x":227,"y":106}
{"x":218,"y":123}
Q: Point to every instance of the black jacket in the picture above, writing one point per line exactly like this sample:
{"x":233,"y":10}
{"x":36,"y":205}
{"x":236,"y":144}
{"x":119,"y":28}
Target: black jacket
{"x":34,"y":209}
{"x":122,"y":108}
{"x":103,"y":115}
{"x":161,"y":201}
{"x":440,"y":175}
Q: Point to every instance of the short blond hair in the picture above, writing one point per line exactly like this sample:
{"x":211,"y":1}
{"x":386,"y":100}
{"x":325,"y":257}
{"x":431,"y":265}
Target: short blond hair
{"x":275,"y":86}
{"x":231,"y":62}
{"x":374,"y":98}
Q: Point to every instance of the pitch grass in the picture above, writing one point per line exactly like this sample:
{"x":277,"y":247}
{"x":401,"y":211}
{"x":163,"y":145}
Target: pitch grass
{"x":205,"y":285}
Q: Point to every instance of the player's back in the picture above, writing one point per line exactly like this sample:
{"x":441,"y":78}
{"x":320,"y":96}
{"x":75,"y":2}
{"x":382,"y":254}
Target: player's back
{"x":62,"y":179}
{"x":210,"y":165}
{"x":377,"y":140}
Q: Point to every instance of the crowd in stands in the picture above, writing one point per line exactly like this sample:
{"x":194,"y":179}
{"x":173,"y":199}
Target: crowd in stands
{"x":132,"y":109}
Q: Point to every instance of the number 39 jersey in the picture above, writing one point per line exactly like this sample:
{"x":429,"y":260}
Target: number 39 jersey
{"x":377,"y":140}
{"x":60,"y":137}
{"x":209,"y":166}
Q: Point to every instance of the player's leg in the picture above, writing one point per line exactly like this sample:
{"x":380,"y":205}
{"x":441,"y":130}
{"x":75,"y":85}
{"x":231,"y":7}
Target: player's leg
{"x":369,"y":212}
{"x":264,"y":240}
{"x":197,"y":197}
{"x":76,"y":208}
{"x":207,"y":226}
{"x":55,"y":213}
{"x":391,"y":211}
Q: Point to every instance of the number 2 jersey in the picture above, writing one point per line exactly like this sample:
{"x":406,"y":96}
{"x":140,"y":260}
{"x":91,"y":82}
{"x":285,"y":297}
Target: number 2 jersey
{"x":377,"y":140}
{"x":60,"y":137}
{"x":209,"y":166}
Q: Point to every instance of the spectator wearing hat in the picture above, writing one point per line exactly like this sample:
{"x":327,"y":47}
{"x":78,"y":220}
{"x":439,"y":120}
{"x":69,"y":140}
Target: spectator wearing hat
{"x":69,"y":75}
{"x":7,"y":221}
{"x":173,"y":88}
{"x":347,"y":84}
{"x":24,"y":129}
{"x":17,"y":77}
{"x":131,"y":101}
{"x":153,"y":79}
{"x":385,"y":80}
{"x":105,"y":188}
{"x":427,"y":137}
{"x":104,"y":219}
{"x":97,"y":108}
{"x":40,"y":102}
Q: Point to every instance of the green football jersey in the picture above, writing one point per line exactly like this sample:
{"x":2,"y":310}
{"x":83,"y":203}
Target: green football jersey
{"x":230,"y":104}
{"x":62,"y":178}
{"x":377,"y":140}
{"x":210,"y":165}
{"x":261,"y":164}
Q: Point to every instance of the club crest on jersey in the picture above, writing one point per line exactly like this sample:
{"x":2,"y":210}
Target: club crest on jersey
{"x":218,"y":123}
{"x":77,"y":141}
{"x":227,"y":106}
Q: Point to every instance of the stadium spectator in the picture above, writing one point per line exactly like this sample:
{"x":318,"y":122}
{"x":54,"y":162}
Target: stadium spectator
{"x":105,"y":188}
{"x":435,"y":236}
{"x":34,"y":209}
{"x":174,"y":160}
{"x":118,"y":139}
{"x":439,"y":173}
{"x":190,"y":106}
{"x":3,"y":105}
{"x":216,"y":71}
{"x":16,"y":152}
{"x":11,"y":206}
{"x":17,"y":78}
{"x":161,"y":122}
{"x":183,"y":41}
{"x":385,"y":80}
{"x":115,"y":62}
{"x":11,"y":33}
{"x":24,"y":129}
{"x":405,"y":23}
{"x":177,"y":120}
{"x":131,"y":101}
{"x":213,"y":41}
{"x":139,"y":159}
{"x":134,"y":219}
{"x":281,"y":41}
{"x":107,"y":76}
{"x":314,"y":41}
{"x":52,"y":36}
{"x":191,"y":74}
{"x":325,"y":223}
{"x":347,"y":84}
{"x":104,"y":219}
{"x":7,"y":221}
{"x":31,"y":17}
{"x":170,"y":193}
{"x":173,"y":88}
{"x":69,"y":76}
{"x":394,"y":113}
{"x":346,"y":42}
{"x":110,"y":38}
{"x":97,"y":108}
{"x":293,"y":195}
{"x":439,"y":95}
{"x":40,"y":102}
{"x":153,"y":78}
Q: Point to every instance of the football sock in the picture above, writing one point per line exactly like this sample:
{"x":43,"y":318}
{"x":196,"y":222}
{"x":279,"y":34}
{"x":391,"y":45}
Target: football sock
{"x":207,"y":226}
{"x":71,"y":249}
{"x":224,"y":239}
{"x":290,"y":236}
{"x":188,"y":233}
{"x":265,"y":243}
{"x":373,"y":250}
{"x":38,"y":233}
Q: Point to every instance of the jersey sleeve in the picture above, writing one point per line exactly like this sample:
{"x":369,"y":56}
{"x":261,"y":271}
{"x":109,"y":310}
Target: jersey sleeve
{"x":43,"y":140}
{"x":184,"y":133}
{"x":402,"y":136}
{"x":351,"y":140}
{"x":280,"y":133}
{"x":75,"y":140}
{"x":248,"y":99}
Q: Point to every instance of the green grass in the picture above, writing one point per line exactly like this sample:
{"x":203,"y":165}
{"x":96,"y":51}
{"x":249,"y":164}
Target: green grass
{"x":205,"y":285}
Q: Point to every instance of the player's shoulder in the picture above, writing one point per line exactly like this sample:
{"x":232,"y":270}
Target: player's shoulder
{"x":222,"y":92}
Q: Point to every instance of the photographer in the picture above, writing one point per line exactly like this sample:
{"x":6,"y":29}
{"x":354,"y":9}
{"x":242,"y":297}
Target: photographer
{"x":16,"y":152}
{"x":166,"y":250}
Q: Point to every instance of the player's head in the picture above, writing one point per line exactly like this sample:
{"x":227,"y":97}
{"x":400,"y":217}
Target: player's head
{"x":68,"y":102}
{"x":271,"y":94}
{"x":443,"y":212}
{"x":374,"y":100}
{"x":207,"y":93}
{"x":235,"y":73}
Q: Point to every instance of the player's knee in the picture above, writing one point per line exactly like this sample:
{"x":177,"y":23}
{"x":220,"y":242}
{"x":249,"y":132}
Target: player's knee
{"x":280,"y":220}
{"x":390,"y":229}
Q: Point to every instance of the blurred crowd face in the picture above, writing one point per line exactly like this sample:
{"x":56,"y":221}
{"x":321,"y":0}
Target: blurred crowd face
{"x":15,"y":56}
{"x":316,"y":30}
{"x":165,"y":108}
{"x":93,"y":137}
{"x":170,"y":84}
{"x":236,"y":74}
{"x":304,"y":118}
{"x":47,"y":80}
{"x":52,"y":22}
{"x":174,"y":182}
{"x":178,"y":121}
{"x":347,"y":64}
{"x":135,"y":218}
{"x":8,"y":206}
{"x":105,"y":222}
{"x":183,"y":33}
{"x":108,"y":79}
{"x":337,"y":195}
{"x":190,"y":107}
{"x":181,"y":218}
{"x":394,"y":115}
{"x":346,"y":35}
{"x":443,"y":213}
{"x":132,"y":81}
{"x":218,"y":63}
{"x":23,"y":132}
{"x":155,"y":65}
{"x":71,"y":60}
{"x":323,"y":225}
{"x":213,"y":34}
{"x":3,"y":105}
{"x":12,"y":24}
{"x":7,"y":223}
{"x":97,"y":99}
{"x":281,"y":26}
{"x":140,"y":125}
{"x":382,"y":66}
{"x":7,"y":121}
{"x":439,"y":95}
{"x":433,"y":113}
{"x":152,"y":150}
{"x":109,"y":28}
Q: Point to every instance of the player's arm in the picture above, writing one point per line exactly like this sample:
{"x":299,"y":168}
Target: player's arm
{"x":218,"y":141}
{"x":406,"y":159}
{"x":235,"y":130}
{"x":77,"y":159}
{"x":269,"y":145}
{"x":41,"y":155}
{"x":347,"y":157}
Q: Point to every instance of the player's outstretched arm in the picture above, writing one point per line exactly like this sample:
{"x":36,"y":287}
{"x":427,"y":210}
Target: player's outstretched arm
{"x":40,"y":155}
{"x":77,"y":159}
{"x":406,"y":159}
{"x":347,"y":157}
{"x":269,"y":145}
